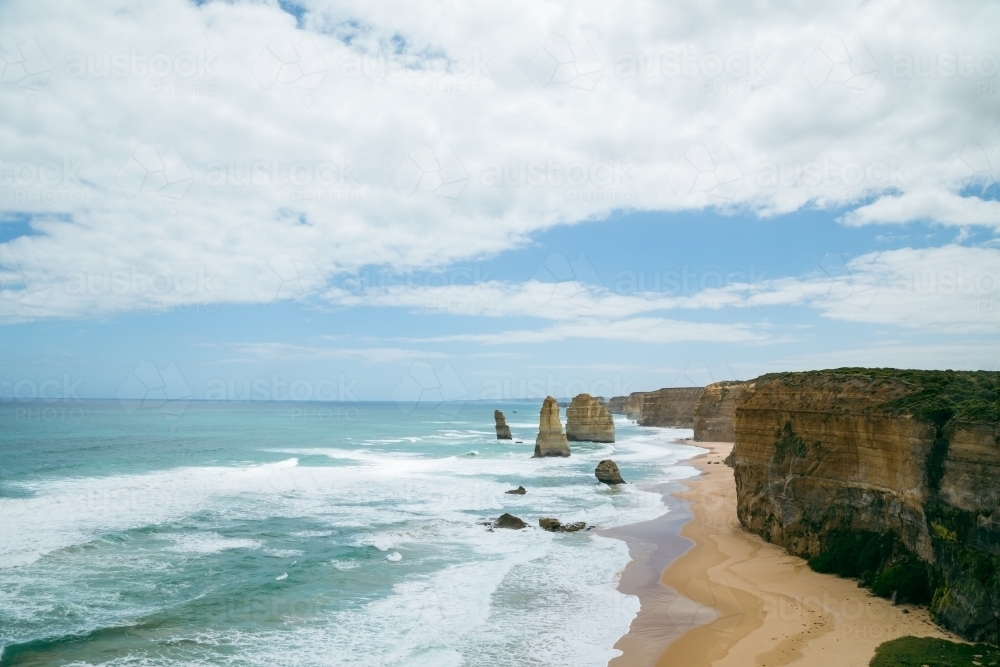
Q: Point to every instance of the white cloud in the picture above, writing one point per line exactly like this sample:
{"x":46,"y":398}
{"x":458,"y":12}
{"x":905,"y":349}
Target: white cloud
{"x":274,"y":351}
{"x":281,"y":139}
{"x":939,"y":206}
{"x":653,"y":330}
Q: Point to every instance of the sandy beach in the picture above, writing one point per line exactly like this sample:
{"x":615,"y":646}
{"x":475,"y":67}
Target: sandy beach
{"x":743,"y":601}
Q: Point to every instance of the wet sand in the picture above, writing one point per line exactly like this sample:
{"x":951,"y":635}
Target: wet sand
{"x":749,"y":602}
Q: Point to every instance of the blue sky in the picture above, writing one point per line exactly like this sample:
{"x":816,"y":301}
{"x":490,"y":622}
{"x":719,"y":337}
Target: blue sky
{"x":347,"y":202}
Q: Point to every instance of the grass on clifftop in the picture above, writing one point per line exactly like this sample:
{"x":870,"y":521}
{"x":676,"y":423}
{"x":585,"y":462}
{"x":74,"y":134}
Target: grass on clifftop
{"x":938,"y":396}
{"x":928,"y":652}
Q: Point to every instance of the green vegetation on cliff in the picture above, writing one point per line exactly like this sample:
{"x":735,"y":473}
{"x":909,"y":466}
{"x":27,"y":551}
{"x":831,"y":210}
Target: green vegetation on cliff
{"x":937,"y":397}
{"x":930,"y":652}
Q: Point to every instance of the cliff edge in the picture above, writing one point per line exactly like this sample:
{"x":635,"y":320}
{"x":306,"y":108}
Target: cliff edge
{"x":890,"y":476}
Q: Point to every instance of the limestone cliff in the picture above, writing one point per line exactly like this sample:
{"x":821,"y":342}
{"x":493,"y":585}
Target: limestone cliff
{"x":890,"y":476}
{"x":551,"y":440}
{"x":633,"y":405}
{"x":616,"y":405}
{"x":670,"y":407}
{"x":588,"y":420}
{"x":713,"y":416}
{"x":503,"y":431}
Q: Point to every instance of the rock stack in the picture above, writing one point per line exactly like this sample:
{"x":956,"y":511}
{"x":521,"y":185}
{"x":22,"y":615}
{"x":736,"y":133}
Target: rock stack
{"x":503,"y":431}
{"x":551,"y":440}
{"x":588,"y":420}
{"x":608,"y":473}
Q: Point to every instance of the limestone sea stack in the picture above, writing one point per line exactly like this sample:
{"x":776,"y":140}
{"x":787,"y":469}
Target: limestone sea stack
{"x":588,"y":420}
{"x":551,"y":440}
{"x":503,"y":431}
{"x":608,"y":473}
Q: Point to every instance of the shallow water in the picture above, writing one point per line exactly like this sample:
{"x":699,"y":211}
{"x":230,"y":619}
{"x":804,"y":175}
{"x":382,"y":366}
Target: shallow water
{"x":269,"y":533}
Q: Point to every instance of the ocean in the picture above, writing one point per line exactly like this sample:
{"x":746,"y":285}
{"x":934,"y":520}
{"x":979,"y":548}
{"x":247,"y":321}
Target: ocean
{"x":311,"y":534}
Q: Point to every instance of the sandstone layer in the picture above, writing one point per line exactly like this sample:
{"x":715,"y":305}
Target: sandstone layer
{"x":897,"y":469}
{"x":716,"y":409}
{"x":503,"y":431}
{"x":616,"y":405}
{"x":551,"y":440}
{"x":670,"y":407}
{"x":588,"y":420}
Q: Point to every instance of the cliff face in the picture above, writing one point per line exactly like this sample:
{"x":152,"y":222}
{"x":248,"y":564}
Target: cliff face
{"x":889,"y":468}
{"x":589,"y":420}
{"x":670,"y":407}
{"x":616,"y":405}
{"x":714,"y":414}
{"x":551,"y":440}
{"x":633,"y":405}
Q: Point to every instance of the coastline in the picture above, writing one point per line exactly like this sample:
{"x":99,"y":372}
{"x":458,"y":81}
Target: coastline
{"x":725,"y":595}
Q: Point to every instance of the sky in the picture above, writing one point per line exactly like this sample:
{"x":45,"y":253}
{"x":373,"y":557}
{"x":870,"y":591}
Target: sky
{"x":345,"y":201}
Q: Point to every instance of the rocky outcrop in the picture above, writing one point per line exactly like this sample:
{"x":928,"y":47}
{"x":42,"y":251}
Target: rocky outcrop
{"x":554,"y":525}
{"x":670,"y":407}
{"x":608,"y":473}
{"x":889,"y":476}
{"x":713,"y":416}
{"x":588,"y":420}
{"x":503,"y":431}
{"x":551,"y":440}
{"x":509,"y":521}
{"x":616,"y":405}
{"x":519,"y":491}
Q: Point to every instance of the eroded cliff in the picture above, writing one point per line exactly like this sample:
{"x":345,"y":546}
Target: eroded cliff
{"x":670,"y":407}
{"x":890,"y":476}
{"x":716,"y":409}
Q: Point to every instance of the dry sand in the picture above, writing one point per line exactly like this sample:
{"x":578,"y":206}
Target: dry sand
{"x":770,"y":608}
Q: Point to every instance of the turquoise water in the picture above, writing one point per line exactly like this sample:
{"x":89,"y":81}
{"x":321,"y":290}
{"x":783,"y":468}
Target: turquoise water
{"x":274,"y":534}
